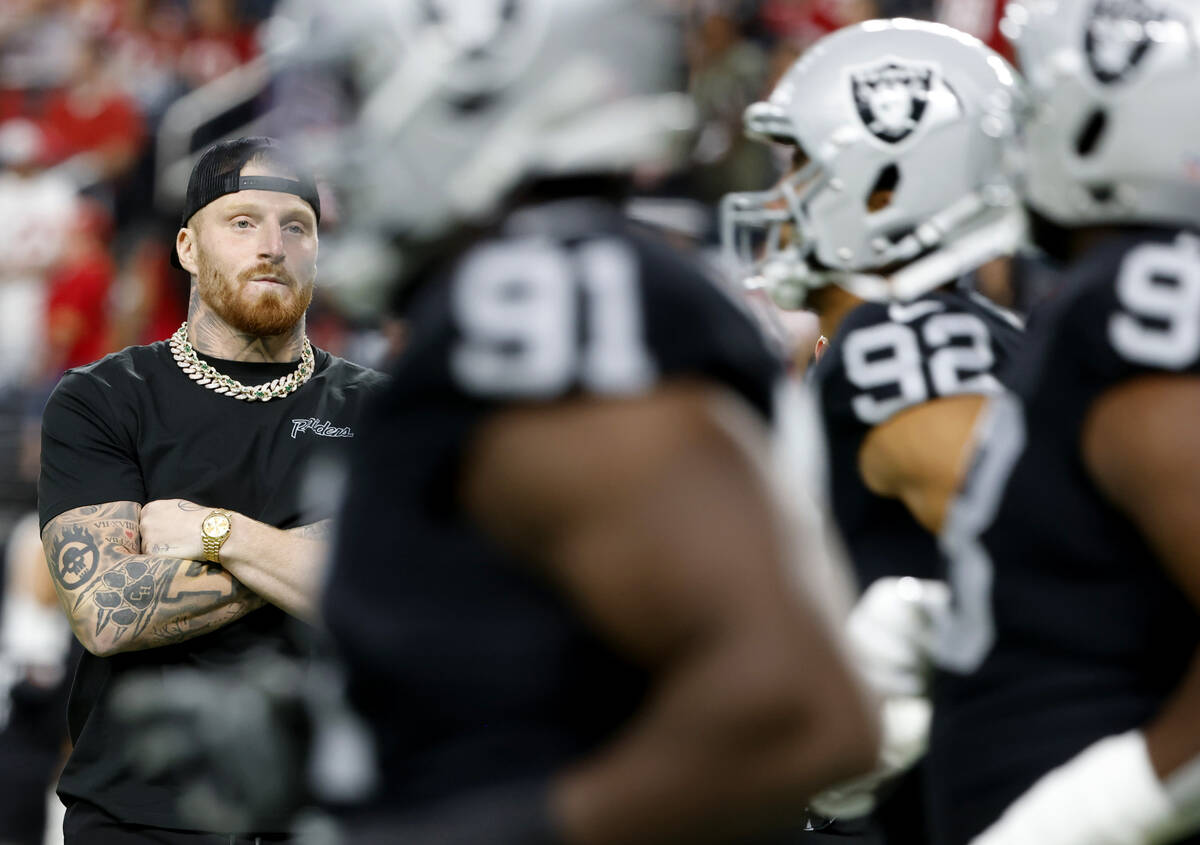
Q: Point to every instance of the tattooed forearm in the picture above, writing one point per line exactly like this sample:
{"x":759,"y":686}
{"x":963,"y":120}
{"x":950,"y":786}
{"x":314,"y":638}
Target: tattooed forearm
{"x":180,"y":628}
{"x":130,"y":601}
{"x":79,"y":540}
{"x":120,"y":601}
{"x":314,"y":530}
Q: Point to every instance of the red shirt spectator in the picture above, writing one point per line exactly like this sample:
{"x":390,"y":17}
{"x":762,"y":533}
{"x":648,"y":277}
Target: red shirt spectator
{"x":218,"y":44}
{"x":91,"y":114}
{"x":981,"y":18}
{"x":12,"y":104}
{"x":804,"y":21}
{"x":76,"y":123}
{"x":77,"y":324}
{"x":76,"y":320}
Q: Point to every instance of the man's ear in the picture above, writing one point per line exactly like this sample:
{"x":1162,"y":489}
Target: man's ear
{"x":185,"y":247}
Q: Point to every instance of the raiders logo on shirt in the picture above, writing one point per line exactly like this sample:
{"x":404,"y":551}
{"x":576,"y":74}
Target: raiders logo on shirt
{"x":892,"y":97}
{"x":1118,"y":36}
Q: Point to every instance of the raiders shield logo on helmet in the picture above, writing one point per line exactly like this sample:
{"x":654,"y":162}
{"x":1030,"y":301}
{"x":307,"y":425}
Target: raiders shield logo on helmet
{"x":1118,"y":36}
{"x":493,"y":41}
{"x":471,"y":27}
{"x":892,"y":97}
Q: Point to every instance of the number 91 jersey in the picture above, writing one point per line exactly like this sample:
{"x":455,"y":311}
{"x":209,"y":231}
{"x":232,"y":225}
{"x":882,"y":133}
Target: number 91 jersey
{"x":571,"y":298}
{"x":468,"y":667}
{"x":1065,"y":628}
{"x":885,"y":359}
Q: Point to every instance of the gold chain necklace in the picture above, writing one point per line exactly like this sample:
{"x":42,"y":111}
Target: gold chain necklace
{"x":207,"y":375}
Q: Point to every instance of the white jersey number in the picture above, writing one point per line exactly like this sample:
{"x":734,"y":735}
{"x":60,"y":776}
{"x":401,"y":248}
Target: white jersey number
{"x":888,"y":355}
{"x":1159,"y":288}
{"x":964,"y":635}
{"x":518,"y":306}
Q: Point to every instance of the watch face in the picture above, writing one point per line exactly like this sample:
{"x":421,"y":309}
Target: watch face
{"x":216,"y":526}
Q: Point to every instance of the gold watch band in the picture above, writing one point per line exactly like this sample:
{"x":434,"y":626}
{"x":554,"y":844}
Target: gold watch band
{"x":212,"y":548}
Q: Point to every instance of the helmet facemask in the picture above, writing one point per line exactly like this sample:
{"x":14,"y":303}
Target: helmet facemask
{"x":766,"y":237}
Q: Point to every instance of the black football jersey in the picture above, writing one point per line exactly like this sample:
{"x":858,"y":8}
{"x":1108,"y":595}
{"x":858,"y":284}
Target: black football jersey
{"x":471,"y":670}
{"x":1065,"y":628}
{"x":884,"y":359}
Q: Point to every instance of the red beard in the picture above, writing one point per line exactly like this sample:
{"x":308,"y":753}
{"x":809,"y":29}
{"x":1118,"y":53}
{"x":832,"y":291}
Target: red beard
{"x":272,"y":312}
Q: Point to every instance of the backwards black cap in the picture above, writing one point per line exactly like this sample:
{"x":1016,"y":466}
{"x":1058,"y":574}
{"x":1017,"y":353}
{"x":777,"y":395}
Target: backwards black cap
{"x":219,"y":172}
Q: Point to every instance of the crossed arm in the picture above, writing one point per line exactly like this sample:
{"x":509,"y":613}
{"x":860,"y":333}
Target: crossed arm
{"x":131,"y":577}
{"x":284,"y":567}
{"x":118,"y":599}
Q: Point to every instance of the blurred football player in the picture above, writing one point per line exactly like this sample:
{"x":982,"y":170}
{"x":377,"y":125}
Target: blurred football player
{"x":904,"y":134}
{"x":1067,"y":709}
{"x":561,"y":583}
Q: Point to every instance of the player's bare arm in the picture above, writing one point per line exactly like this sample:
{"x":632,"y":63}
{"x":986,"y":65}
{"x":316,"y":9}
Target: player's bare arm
{"x":1141,"y":448}
{"x":283,"y":567}
{"x":919,"y":455}
{"x":118,"y":599}
{"x":673,"y":550}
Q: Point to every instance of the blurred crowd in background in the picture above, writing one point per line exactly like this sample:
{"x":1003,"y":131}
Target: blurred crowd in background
{"x":87,"y":89}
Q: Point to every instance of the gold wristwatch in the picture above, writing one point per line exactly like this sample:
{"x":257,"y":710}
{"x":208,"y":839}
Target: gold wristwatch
{"x":214,"y":531}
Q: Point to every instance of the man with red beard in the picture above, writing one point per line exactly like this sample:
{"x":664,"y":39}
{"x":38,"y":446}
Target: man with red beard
{"x":174,"y":516}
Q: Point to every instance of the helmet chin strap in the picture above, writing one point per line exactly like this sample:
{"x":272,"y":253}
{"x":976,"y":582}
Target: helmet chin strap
{"x":999,"y":236}
{"x":789,"y":281}
{"x":930,"y":233}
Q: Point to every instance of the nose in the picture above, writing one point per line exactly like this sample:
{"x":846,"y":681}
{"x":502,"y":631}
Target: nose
{"x":270,"y":243}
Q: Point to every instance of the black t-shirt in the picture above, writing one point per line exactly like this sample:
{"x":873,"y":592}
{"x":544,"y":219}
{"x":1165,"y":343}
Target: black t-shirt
{"x":884,"y":360}
{"x":471,"y":671}
{"x":134,"y":427}
{"x":1066,"y":628}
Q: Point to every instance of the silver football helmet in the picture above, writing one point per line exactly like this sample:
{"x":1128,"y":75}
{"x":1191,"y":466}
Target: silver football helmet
{"x":908,"y":139}
{"x":1115,"y":84}
{"x":456,"y":102}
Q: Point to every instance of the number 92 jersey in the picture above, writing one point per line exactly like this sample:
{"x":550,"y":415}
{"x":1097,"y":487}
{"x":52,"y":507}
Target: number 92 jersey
{"x":566,"y":300}
{"x":885,"y":359}
{"x":1065,"y":627}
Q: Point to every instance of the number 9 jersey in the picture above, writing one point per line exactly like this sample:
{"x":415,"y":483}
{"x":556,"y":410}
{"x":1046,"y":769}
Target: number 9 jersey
{"x":1065,"y":627}
{"x":567,"y":300}
{"x":885,"y":359}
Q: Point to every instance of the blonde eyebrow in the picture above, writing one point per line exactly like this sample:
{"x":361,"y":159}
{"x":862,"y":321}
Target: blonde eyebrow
{"x":245,"y":208}
{"x":252,"y":209}
{"x":299,"y":215}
